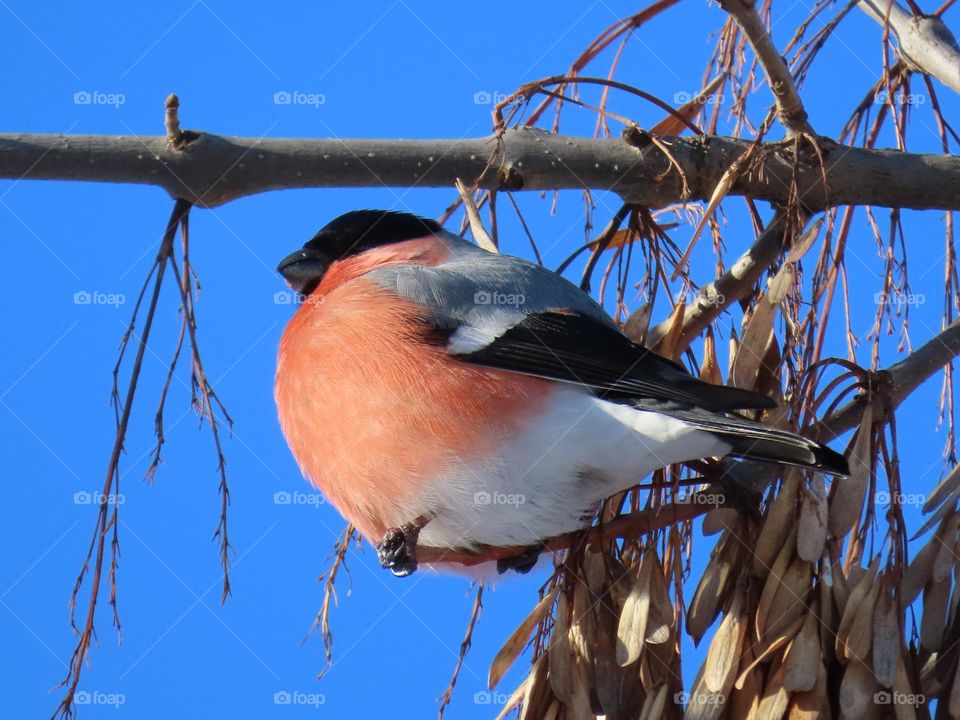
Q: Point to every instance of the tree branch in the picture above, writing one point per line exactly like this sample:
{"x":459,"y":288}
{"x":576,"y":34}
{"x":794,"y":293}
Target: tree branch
{"x":789,"y":106}
{"x":926,"y":43}
{"x":209,"y":170}
{"x":898,"y":382}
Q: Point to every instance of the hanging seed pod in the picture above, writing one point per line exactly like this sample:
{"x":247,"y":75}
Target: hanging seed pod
{"x":846,"y":501}
{"x":789,"y":603}
{"x":852,"y":607}
{"x":661,"y":617}
{"x":886,"y":634}
{"x":803,"y":657}
{"x":667,"y":345}
{"x":773,"y":582}
{"x":632,"y":627}
{"x":711,"y":588}
{"x":514,"y":645}
{"x":773,"y":704}
{"x":918,"y":572}
{"x":857,"y":691}
{"x":813,"y":704}
{"x":723,"y":657}
{"x":778,"y":524}
{"x":859,"y":638}
{"x":747,"y":691}
{"x":583,"y":625}
{"x":655,"y":704}
{"x":944,"y":561}
{"x":757,"y":330}
{"x":812,"y":532}
{"x":947,"y":491}
{"x":710,"y":366}
{"x":561,"y":660}
{"x":905,"y":710}
{"x":702,"y":703}
{"x":637,"y":324}
{"x":720,"y":519}
{"x":936,"y":595}
{"x":537,"y":698}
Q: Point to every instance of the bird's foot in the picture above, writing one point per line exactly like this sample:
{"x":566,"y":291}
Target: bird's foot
{"x":397,"y":549}
{"x":522,"y":563}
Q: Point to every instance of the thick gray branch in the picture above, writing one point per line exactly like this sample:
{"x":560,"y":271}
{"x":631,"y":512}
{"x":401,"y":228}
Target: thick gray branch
{"x":926,"y":43}
{"x":898,"y":381}
{"x":211,"y":170}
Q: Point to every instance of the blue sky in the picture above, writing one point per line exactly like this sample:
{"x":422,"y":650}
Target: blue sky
{"x":383,"y":69}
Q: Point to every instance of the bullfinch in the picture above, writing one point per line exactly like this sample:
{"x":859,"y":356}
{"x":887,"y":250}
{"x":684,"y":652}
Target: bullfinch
{"x":442,"y":395}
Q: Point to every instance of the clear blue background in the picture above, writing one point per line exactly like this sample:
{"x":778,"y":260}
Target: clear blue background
{"x":385,"y":70}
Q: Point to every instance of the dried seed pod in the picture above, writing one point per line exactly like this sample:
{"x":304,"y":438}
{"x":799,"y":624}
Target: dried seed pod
{"x":814,"y":516}
{"x":846,"y":501}
{"x":775,"y":698}
{"x":852,"y":606}
{"x":660,"y":620}
{"x":774,"y":580}
{"x":936,"y":595}
{"x":654,"y":705}
{"x":711,"y":588}
{"x":947,"y":489}
{"x":857,"y":691}
{"x":789,"y":603}
{"x":632,"y":627}
{"x":514,"y":645}
{"x":813,"y":704}
{"x":778,"y":524}
{"x":803,"y":657}
{"x":918,"y":572}
{"x":886,"y":634}
{"x":561,"y":661}
{"x":723,"y":657}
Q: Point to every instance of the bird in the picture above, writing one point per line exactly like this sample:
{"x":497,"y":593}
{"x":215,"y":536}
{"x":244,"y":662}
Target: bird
{"x":440,"y":395}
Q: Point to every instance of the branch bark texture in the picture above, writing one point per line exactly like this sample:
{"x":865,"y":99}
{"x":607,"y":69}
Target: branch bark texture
{"x":210,"y":170}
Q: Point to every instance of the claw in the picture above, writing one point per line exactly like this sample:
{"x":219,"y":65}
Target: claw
{"x":397,"y":550}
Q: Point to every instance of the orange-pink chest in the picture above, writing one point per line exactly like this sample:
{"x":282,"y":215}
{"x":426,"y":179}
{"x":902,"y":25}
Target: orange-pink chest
{"x":374,"y":413}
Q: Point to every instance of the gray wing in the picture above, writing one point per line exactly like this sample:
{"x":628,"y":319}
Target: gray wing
{"x":504,"y":312}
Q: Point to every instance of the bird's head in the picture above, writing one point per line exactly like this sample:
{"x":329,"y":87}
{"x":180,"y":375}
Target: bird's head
{"x":349,"y":235}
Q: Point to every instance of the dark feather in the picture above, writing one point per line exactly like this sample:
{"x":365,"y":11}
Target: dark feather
{"x":575,"y":348}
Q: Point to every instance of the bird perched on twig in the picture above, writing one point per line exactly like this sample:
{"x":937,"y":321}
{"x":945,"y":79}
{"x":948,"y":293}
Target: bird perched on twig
{"x":442,"y":395}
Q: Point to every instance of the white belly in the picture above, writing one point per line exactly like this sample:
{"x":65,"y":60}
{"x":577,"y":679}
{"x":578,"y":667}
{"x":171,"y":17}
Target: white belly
{"x":548,"y":480}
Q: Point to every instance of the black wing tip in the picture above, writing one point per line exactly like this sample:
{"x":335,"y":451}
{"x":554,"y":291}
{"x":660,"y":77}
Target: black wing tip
{"x":830,"y":461}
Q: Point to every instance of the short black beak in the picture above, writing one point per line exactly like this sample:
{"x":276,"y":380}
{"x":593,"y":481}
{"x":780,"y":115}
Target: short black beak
{"x":303,"y":269}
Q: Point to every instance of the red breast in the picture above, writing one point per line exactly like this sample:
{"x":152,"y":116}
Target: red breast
{"x":372,"y":409}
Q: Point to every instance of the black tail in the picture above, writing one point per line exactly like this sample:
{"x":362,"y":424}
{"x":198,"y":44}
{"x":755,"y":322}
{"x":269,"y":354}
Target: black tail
{"x":754,"y":441}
